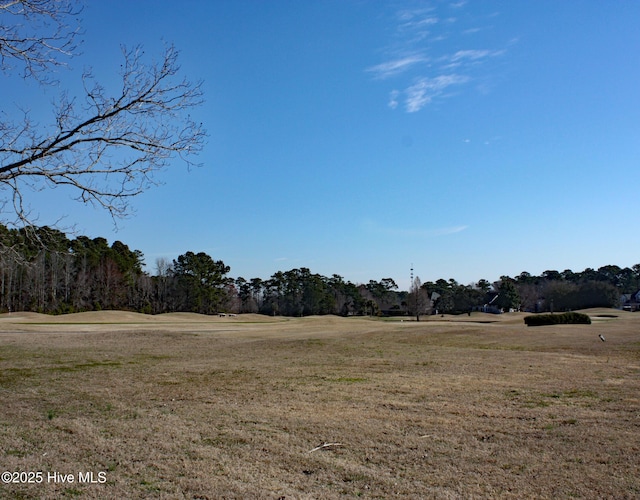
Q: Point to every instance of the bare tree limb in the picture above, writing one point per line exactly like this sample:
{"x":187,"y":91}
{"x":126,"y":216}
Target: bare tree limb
{"x":37,"y":35}
{"x":107,"y":148}
{"x":325,"y":445}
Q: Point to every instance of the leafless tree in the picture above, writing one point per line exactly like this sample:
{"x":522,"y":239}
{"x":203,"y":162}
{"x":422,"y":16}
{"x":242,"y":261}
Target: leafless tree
{"x":105,"y":146}
{"x":418,"y":302}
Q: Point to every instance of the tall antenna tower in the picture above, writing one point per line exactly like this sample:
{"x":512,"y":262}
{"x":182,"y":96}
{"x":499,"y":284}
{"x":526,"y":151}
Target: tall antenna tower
{"x":411,"y":282}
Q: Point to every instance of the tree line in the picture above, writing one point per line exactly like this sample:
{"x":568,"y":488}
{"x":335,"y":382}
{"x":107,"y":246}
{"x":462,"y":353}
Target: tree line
{"x":43,"y":270}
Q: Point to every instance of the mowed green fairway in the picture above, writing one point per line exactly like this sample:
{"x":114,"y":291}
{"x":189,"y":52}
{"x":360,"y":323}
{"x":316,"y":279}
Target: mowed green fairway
{"x":186,"y":406}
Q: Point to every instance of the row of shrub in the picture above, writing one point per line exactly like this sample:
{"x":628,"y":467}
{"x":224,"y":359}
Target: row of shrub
{"x":568,"y":318}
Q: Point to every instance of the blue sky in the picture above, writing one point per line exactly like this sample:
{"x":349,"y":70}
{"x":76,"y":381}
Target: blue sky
{"x":469,"y":138}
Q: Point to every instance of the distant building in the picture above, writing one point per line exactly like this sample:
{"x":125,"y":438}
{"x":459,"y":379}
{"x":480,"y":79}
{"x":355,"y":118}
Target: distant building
{"x":489,"y":305}
{"x":631,"y":301}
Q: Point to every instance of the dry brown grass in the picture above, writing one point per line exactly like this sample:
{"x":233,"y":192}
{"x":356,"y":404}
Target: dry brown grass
{"x":184,"y":406}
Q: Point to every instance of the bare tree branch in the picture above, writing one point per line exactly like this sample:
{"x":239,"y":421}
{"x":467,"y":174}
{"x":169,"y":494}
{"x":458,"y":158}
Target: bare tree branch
{"x":325,"y":445}
{"x":37,"y":35}
{"x":106,"y":147}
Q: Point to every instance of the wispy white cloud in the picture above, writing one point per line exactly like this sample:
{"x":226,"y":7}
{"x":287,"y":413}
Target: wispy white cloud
{"x":416,"y":24}
{"x":429,"y":66}
{"x":404,"y":232}
{"x":406,"y":16}
{"x":443,"y":231}
{"x":419,"y":23}
{"x":466,"y":58}
{"x":475,"y":54}
{"x":393,"y":99}
{"x":472,"y":31}
{"x":425,"y":90}
{"x":396,"y":66}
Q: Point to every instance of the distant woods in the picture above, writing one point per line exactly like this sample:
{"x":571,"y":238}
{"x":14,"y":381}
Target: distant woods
{"x":42,"y":270}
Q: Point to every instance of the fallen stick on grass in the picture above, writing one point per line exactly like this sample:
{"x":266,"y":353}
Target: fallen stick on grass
{"x":325,"y":445}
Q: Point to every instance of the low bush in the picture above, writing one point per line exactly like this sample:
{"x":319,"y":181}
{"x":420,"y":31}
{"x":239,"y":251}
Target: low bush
{"x":569,"y":318}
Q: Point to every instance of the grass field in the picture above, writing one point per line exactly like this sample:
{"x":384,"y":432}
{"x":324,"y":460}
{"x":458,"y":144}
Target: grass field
{"x":186,"y":406}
